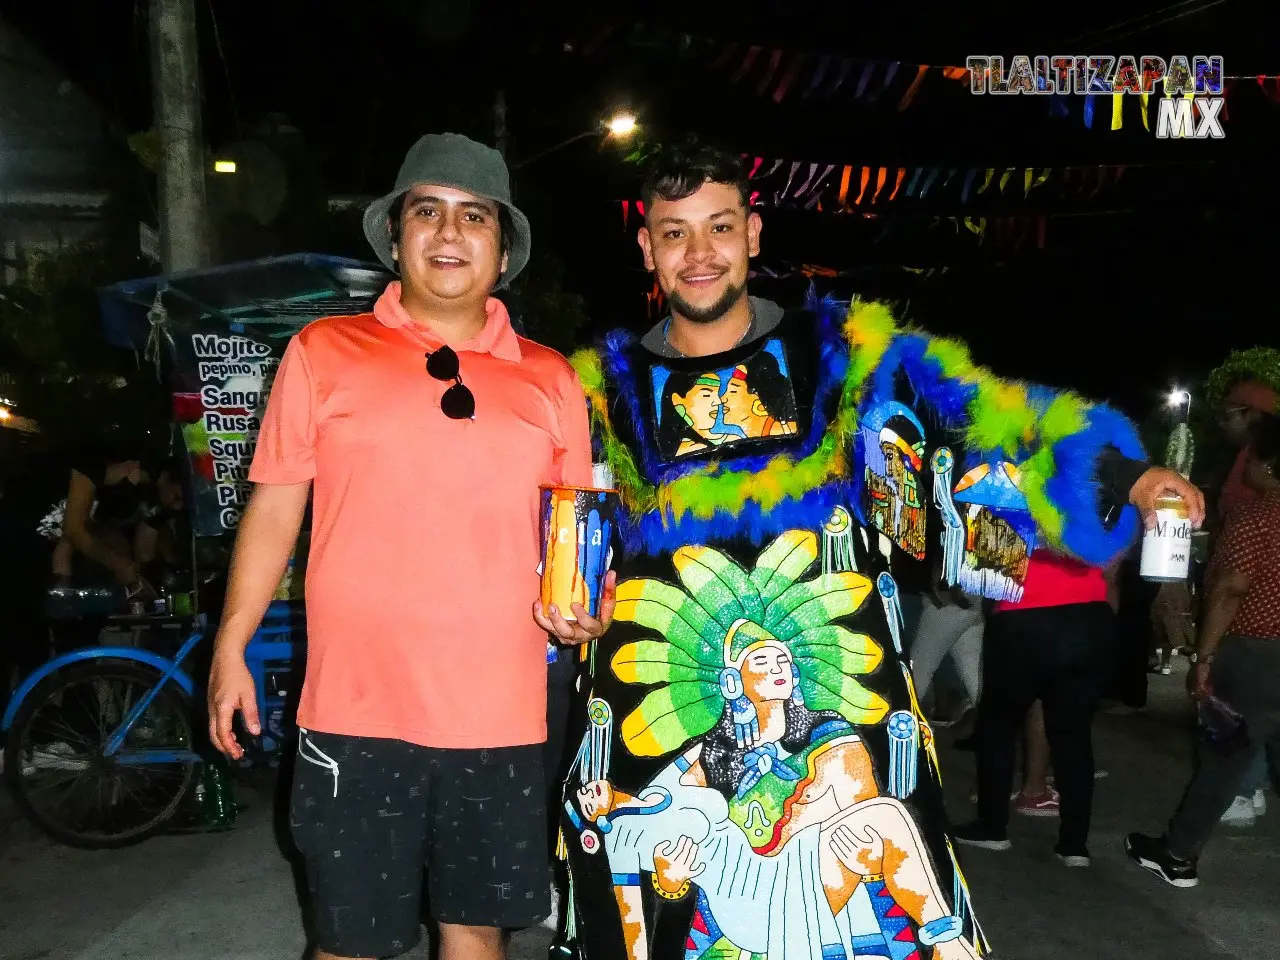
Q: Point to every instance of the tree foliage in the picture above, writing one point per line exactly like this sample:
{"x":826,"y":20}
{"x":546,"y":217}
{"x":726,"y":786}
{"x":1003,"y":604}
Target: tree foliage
{"x":54,"y":358}
{"x":552,"y":315}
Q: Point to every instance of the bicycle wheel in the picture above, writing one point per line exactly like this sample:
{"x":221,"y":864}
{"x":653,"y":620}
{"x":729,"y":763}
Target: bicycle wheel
{"x":55,"y":762}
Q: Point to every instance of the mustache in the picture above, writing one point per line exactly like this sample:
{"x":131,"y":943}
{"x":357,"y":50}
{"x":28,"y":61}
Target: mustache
{"x":718,"y":270}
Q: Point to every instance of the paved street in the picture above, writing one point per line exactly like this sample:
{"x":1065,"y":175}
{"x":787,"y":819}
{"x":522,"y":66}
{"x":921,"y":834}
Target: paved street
{"x":233,"y":896}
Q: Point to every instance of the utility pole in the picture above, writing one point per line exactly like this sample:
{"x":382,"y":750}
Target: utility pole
{"x":175,"y":81}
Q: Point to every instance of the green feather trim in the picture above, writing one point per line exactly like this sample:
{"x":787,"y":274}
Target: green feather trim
{"x":1002,"y":419}
{"x":869,"y":328}
{"x":586,"y":363}
{"x":636,"y":492}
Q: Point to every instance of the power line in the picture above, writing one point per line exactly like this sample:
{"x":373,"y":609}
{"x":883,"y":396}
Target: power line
{"x":1110,"y":33}
{"x":226,"y":71}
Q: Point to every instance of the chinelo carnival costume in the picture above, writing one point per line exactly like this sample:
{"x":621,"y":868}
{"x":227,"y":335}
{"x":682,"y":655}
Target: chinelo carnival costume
{"x":757,"y":779}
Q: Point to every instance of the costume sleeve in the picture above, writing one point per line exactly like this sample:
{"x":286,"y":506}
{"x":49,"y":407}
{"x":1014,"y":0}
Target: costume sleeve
{"x":286,"y":451}
{"x":1075,"y":457}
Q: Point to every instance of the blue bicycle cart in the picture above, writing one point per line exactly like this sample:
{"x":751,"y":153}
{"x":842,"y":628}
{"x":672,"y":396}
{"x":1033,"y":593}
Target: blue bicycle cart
{"x":103,"y":746}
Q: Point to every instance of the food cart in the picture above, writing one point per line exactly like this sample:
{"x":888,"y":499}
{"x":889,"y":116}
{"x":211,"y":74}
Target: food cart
{"x":215,"y":336}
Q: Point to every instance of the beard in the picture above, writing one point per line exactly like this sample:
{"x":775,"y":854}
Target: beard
{"x":708,"y":314}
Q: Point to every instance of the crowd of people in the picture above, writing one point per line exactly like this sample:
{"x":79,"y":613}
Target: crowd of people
{"x":772,"y":788}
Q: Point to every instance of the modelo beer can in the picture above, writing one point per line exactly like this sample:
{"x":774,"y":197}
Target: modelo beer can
{"x":577,"y":537}
{"x":1166,"y":547}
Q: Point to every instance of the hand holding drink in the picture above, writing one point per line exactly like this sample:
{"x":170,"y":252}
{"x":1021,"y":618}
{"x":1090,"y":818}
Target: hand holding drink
{"x":577,"y":595}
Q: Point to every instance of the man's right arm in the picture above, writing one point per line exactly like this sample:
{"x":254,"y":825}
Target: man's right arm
{"x":282,"y":471}
{"x":267,"y":535}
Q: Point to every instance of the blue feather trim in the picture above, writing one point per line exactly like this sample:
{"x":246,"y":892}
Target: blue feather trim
{"x":656,"y":533}
{"x":1075,"y":491}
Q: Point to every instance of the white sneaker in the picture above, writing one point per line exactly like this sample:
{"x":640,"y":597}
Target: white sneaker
{"x":1240,"y":813}
{"x":552,"y":921}
{"x":1259,"y":802}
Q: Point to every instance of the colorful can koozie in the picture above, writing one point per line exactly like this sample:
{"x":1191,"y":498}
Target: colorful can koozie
{"x":577,"y":532}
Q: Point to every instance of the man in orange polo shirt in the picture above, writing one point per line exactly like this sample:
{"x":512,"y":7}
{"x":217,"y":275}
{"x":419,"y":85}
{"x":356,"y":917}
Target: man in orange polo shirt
{"x":423,"y":431}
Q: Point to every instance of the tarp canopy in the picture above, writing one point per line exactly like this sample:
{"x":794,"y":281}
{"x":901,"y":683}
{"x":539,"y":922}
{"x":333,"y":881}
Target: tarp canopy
{"x":217,"y":336}
{"x":282,"y":292}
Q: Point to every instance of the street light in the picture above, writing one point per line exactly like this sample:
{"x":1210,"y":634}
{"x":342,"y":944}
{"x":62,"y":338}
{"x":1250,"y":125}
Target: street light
{"x":619,"y":126}
{"x":622,"y":125}
{"x":1177,"y":397}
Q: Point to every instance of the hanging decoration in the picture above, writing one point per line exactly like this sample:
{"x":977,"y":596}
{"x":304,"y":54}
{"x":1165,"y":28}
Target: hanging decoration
{"x":776,"y":74}
{"x":847,"y":188}
{"x":784,"y":270}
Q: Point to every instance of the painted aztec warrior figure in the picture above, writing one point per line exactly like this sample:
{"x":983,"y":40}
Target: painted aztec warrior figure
{"x":757,"y":779}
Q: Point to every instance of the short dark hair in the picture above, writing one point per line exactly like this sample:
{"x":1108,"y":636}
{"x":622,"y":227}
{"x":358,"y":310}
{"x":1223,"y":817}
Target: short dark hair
{"x":506,"y":226}
{"x":681,"y":172}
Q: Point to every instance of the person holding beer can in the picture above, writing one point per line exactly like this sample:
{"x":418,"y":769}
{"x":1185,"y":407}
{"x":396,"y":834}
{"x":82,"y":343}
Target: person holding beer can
{"x":426,"y":428}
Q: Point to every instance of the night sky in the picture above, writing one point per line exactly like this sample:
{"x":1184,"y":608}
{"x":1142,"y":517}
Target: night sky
{"x":1149,"y":282}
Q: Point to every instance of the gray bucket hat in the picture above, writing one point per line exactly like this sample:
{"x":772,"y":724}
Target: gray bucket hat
{"x":451,"y":160}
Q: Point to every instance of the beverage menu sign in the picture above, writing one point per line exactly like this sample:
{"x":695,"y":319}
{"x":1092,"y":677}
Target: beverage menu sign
{"x":223,"y":378}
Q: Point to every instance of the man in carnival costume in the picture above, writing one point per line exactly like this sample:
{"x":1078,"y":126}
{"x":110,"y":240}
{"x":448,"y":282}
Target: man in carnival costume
{"x":757,"y":778}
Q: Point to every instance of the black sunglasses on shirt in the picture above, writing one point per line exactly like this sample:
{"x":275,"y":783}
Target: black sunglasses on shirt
{"x":458,"y":402}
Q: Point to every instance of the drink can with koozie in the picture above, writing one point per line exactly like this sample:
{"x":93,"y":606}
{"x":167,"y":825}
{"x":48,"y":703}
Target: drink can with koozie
{"x":1166,"y":547}
{"x":577,"y":536}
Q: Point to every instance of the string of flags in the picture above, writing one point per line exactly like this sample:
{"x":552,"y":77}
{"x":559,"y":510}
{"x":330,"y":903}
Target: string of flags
{"x":847,"y":188}
{"x":806,"y":184}
{"x":1014,"y":231}
{"x":811,"y":271}
{"x":777,"y":74}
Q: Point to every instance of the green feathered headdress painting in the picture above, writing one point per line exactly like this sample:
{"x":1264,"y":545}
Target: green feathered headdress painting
{"x":724,"y":611}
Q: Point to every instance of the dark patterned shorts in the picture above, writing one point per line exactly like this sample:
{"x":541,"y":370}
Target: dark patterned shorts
{"x":370,"y":814}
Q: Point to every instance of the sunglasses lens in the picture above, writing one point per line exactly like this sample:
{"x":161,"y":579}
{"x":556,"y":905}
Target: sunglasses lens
{"x":458,"y":403}
{"x":442,"y":364}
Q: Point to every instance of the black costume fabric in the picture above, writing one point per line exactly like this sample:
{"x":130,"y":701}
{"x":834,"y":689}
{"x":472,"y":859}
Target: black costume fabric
{"x":756,"y":778}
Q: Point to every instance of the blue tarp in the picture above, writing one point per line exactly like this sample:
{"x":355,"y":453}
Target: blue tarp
{"x":285,"y":291}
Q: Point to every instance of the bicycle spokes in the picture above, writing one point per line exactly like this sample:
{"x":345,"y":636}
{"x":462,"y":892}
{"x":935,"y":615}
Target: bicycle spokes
{"x":76,"y":784}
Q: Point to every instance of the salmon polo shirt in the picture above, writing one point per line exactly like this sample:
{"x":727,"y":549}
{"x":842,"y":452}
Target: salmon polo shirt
{"x":425,"y":536}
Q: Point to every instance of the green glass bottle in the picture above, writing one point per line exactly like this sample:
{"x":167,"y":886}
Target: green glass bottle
{"x":218,"y":804}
